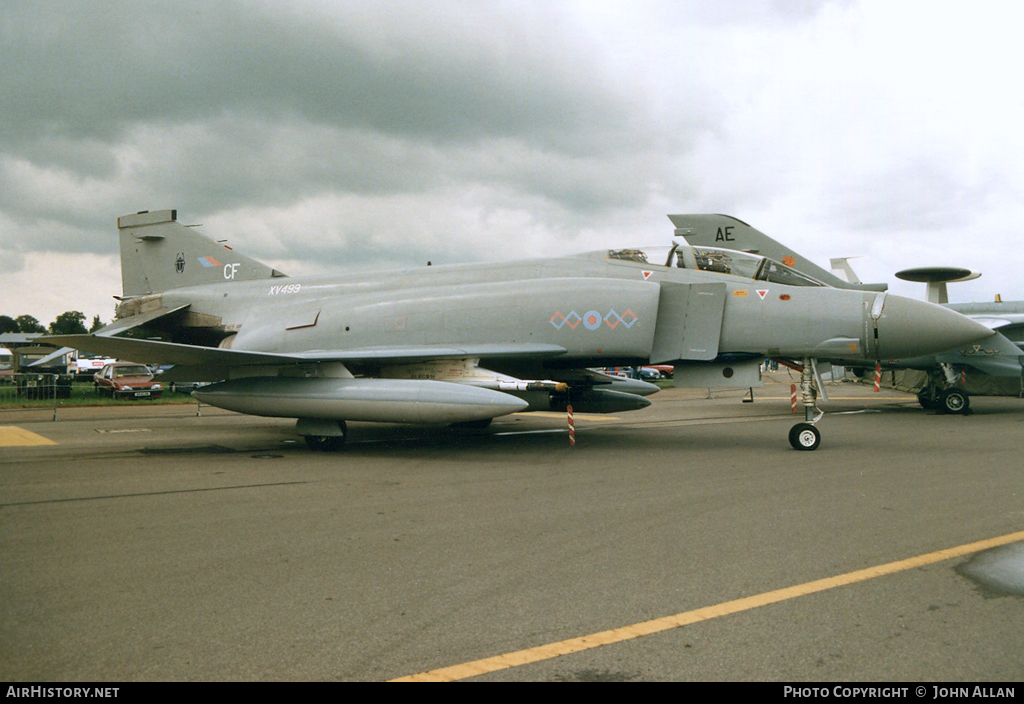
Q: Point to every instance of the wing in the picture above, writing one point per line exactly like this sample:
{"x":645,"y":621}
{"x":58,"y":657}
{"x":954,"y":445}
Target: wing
{"x":1000,"y":323}
{"x":211,"y":363}
{"x":996,"y":356}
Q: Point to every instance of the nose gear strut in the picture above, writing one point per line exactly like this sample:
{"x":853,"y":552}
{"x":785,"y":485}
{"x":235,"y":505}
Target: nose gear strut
{"x":805,"y":436}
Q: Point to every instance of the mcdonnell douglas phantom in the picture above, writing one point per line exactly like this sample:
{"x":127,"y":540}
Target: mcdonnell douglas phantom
{"x":462,"y":344}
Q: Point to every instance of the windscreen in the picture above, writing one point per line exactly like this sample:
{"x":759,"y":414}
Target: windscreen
{"x":131,"y":371}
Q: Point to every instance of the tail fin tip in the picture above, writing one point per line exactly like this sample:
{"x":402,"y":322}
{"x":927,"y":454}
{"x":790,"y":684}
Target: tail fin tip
{"x":145,"y":217}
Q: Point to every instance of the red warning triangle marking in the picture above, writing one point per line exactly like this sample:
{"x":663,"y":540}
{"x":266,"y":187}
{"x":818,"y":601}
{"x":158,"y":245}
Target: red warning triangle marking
{"x":647,"y":275}
{"x":762,"y":293}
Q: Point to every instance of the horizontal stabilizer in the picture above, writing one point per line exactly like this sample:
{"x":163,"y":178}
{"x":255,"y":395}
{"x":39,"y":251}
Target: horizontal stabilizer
{"x":124,"y":324}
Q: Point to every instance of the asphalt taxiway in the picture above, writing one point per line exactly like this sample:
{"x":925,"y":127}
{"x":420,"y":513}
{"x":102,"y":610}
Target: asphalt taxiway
{"x":146,"y":543}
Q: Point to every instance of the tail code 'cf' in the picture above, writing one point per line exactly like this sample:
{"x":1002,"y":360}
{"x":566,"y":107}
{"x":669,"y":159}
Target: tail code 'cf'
{"x":159,"y":253}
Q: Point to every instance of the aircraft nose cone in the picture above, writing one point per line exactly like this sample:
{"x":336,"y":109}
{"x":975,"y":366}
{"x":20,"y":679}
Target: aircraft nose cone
{"x":909,"y":328}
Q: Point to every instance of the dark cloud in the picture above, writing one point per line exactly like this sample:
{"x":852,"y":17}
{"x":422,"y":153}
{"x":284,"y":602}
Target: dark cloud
{"x":116,"y":106}
{"x":86,"y":69}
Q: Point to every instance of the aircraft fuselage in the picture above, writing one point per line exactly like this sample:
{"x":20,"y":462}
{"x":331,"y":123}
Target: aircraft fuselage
{"x":600,"y":310}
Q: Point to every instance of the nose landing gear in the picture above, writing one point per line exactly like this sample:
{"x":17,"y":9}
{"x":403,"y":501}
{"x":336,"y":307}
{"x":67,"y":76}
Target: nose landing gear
{"x":805,"y":436}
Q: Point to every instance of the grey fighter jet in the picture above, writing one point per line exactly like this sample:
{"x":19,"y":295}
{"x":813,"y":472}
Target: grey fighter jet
{"x":1000,"y":359}
{"x":1000,"y":355}
{"x":468,"y":343}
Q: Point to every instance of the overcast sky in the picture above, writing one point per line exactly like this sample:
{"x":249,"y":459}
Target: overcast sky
{"x":326,"y":136}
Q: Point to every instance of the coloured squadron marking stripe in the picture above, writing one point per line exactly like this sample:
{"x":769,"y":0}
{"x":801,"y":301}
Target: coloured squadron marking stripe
{"x":13,"y":436}
{"x":616,"y":635}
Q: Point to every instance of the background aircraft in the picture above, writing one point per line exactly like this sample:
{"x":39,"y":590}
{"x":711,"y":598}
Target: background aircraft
{"x":1000,"y":356}
{"x":999,"y":359}
{"x":467,"y":343}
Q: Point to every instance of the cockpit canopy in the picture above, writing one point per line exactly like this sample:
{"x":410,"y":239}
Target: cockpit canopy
{"x":723,"y":261}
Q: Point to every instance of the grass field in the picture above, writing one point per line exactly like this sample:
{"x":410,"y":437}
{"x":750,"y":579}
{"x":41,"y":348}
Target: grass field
{"x":83,"y":394}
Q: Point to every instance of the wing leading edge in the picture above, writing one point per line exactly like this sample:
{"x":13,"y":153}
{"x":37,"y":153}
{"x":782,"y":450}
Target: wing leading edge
{"x":157,"y":352}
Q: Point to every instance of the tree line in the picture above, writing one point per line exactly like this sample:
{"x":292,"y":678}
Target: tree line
{"x":71,"y":322}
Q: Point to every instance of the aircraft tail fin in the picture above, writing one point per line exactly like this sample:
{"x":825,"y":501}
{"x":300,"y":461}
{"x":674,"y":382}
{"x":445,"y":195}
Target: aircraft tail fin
{"x":730,"y":233}
{"x":159,"y":253}
{"x":841,"y":267}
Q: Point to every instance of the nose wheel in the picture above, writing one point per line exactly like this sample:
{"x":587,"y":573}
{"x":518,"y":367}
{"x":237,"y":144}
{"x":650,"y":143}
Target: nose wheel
{"x":804,"y":436}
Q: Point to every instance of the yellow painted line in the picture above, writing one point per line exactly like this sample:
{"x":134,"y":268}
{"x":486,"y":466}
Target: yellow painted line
{"x":550,"y":414}
{"x":837,"y":399}
{"x":616,"y":635}
{"x":13,"y":436}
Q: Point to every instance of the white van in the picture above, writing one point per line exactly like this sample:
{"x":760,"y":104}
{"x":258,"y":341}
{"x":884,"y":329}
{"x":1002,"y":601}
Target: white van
{"x":6,"y":365}
{"x":85,"y":367}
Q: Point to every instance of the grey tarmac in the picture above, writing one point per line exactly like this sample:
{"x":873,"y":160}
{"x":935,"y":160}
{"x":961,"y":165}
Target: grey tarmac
{"x":151,"y":544}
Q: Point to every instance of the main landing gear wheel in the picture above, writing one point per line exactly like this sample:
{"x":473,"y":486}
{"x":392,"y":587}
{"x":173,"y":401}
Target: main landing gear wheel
{"x":328,"y":443}
{"x":927,"y":401}
{"x":954,"y":401}
{"x":804,"y":436}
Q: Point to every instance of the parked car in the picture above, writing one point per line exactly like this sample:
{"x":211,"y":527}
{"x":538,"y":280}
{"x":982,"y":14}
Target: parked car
{"x":649,"y":374}
{"x":623,"y":372}
{"x":126,"y":380}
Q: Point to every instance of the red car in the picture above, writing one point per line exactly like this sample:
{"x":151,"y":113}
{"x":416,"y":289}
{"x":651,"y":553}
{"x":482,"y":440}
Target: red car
{"x":126,"y":380}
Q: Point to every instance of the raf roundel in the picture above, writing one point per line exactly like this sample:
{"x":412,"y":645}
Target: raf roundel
{"x":592,"y":320}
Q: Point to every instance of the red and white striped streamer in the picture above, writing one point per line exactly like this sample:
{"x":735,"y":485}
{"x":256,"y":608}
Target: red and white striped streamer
{"x":572,"y":427}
